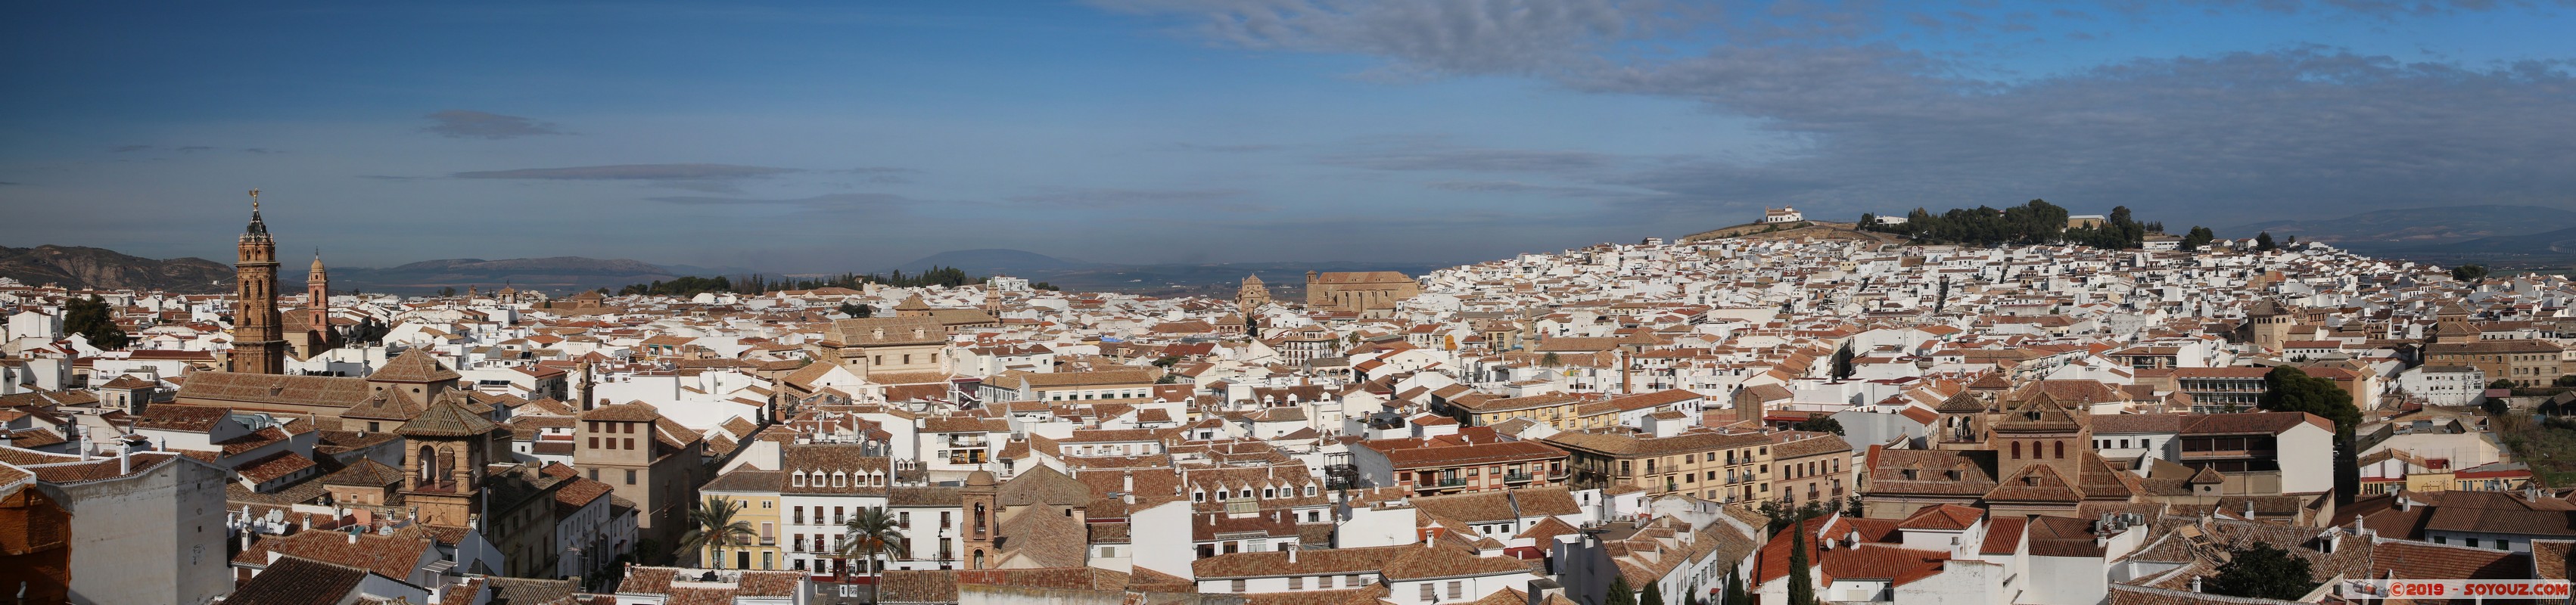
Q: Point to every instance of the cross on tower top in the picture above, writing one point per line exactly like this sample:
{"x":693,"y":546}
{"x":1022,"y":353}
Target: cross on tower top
{"x":254,"y":200}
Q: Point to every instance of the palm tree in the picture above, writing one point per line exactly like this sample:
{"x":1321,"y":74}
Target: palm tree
{"x":712,"y":526}
{"x":872,"y":534}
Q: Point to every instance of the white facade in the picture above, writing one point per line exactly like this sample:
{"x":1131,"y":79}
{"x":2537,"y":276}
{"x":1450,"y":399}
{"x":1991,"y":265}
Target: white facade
{"x":2439,"y":385}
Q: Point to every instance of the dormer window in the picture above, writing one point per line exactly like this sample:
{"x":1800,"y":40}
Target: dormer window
{"x":798,"y":479}
{"x":839,"y":480}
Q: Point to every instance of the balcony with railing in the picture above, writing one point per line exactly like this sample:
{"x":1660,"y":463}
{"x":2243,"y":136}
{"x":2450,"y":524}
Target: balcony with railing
{"x":1451,"y":482}
{"x":1518,"y":477}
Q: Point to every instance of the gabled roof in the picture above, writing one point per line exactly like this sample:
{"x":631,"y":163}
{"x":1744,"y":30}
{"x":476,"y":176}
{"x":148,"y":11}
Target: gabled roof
{"x":445,"y":419}
{"x":415,"y":365}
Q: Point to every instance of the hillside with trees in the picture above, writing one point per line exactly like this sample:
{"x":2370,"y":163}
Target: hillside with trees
{"x":2036,"y":222}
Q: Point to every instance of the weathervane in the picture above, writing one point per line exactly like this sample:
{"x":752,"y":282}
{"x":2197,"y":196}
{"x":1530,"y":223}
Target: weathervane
{"x":254,"y":200}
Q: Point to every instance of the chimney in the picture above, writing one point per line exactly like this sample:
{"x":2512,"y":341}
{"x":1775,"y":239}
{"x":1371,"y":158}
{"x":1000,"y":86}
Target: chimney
{"x":124,"y":462}
{"x":2195,"y":584}
{"x":1127,"y":486}
{"x":1292,"y":553}
{"x":353,"y":536}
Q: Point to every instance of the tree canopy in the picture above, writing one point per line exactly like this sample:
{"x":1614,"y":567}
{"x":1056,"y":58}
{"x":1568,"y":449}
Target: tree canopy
{"x":1821,"y":424}
{"x":2261,"y":571}
{"x":2471,"y":272}
{"x":2287,"y":389}
{"x":2199,"y":236}
{"x":2036,"y":222}
{"x":2263,"y":242}
{"x":687,"y":285}
{"x":1620,"y":593}
{"x":91,"y":318}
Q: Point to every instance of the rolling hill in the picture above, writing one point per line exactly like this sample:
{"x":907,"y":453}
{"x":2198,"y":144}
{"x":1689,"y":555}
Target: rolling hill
{"x":2409,"y":228}
{"x":83,"y":268}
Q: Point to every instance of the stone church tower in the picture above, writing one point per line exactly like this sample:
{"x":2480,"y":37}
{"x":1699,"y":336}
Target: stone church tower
{"x":983,"y":520}
{"x":308,"y":331}
{"x":443,"y":460}
{"x":2268,"y":325}
{"x":1252,"y":296}
{"x":259,"y":347}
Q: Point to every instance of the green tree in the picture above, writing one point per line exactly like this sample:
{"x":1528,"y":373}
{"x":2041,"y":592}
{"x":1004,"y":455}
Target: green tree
{"x":712,"y":527}
{"x":857,"y":310}
{"x":1620,"y":593}
{"x":1802,"y":589}
{"x":2199,"y":236}
{"x":2261,"y":571}
{"x":2287,"y":389}
{"x":2263,"y":242}
{"x":1843,"y":368}
{"x":2471,"y":272}
{"x":1735,"y":589}
{"x":1654,"y":594}
{"x":93,"y":319}
{"x":1821,"y":424}
{"x":1167,"y":361}
{"x":2568,"y":380}
{"x":447,"y":291}
{"x":2501,"y":383}
{"x":872,"y":534}
{"x":1550,"y":360}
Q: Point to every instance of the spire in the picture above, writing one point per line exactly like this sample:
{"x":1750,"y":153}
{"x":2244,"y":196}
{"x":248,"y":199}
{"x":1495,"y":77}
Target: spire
{"x":257,"y":226}
{"x":317,"y":261}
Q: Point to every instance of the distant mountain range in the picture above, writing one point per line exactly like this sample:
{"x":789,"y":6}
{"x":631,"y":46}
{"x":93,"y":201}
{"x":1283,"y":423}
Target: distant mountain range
{"x":2559,"y":242}
{"x":83,"y":268}
{"x":553,"y":274}
{"x":2391,"y":230}
{"x":98,"y":268}
{"x":1175,"y":279}
{"x":995,"y":261}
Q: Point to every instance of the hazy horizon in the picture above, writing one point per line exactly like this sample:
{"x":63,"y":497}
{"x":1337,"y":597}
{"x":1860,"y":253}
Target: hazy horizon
{"x":824,"y":137}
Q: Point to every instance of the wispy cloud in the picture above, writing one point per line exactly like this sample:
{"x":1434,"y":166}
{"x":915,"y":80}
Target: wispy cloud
{"x":1236,"y":148}
{"x":882,"y":175}
{"x":469,"y":124}
{"x":1224,"y":200}
{"x":1869,"y":125}
{"x":1531,"y":188}
{"x":633,"y":172}
{"x":884,"y":202}
{"x":1437,"y":153}
{"x":129,"y":148}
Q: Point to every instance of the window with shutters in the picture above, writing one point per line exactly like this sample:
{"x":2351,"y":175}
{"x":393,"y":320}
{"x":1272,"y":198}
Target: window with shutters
{"x":1428,"y":593}
{"x":1238,"y":586}
{"x":1457,"y":589}
{"x":1296,"y":583}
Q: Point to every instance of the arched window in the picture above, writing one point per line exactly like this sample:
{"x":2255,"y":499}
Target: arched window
{"x":979,"y":527}
{"x":428,"y":462}
{"x":979,"y":558}
{"x":2016,"y":447}
{"x":2060,"y":446}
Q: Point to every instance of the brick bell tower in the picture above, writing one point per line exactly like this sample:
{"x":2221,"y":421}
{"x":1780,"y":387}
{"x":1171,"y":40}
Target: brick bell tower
{"x":259,"y":346}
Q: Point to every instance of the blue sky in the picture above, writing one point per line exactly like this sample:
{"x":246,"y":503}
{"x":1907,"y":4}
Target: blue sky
{"x":854,"y":136}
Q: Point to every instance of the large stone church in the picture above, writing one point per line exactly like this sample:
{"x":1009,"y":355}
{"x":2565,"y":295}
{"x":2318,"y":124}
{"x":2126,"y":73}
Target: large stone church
{"x":1367,"y":293}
